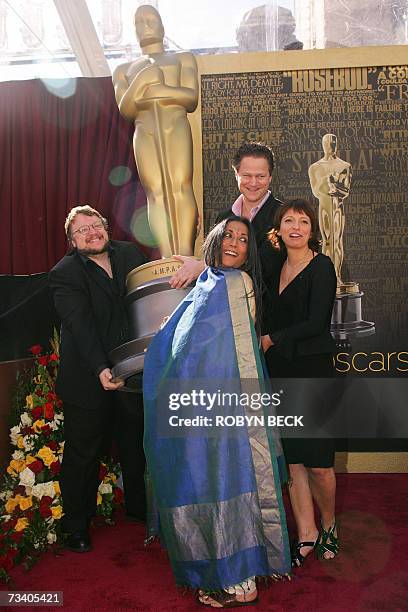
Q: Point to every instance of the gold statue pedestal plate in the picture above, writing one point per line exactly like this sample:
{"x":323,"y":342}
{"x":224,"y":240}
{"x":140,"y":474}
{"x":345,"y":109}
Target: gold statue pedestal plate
{"x":347,"y":318}
{"x":150,"y":301}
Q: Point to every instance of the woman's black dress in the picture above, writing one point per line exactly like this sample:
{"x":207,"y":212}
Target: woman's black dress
{"x":298,"y":322}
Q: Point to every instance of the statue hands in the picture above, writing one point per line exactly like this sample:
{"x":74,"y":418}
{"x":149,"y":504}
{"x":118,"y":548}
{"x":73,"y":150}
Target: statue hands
{"x":339,"y":184}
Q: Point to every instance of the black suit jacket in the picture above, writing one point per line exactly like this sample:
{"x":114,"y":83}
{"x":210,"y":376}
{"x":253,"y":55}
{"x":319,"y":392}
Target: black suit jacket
{"x":262,"y":222}
{"x":93,"y":319}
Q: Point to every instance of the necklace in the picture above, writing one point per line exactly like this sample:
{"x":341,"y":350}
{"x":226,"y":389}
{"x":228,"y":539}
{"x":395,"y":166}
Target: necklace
{"x":291,"y":271}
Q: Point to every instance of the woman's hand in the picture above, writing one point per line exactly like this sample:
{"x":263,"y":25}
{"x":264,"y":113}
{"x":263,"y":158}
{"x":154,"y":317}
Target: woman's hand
{"x":266,"y":342}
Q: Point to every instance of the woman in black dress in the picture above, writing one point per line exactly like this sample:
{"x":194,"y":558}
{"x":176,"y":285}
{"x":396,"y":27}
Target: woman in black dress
{"x":301,"y":287}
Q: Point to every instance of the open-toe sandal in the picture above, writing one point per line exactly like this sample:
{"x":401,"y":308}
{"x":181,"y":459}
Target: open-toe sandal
{"x":328,"y":542}
{"x":224,"y":599}
{"x":297,"y":558}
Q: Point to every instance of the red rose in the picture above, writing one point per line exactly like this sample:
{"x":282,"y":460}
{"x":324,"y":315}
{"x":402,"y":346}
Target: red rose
{"x":117,"y":495}
{"x":43,"y":360}
{"x":103,"y":470}
{"x":49,"y":411}
{"x":6,"y":563}
{"x":9,"y":525}
{"x":59,"y":403}
{"x":53,"y":445}
{"x":36,"y":466}
{"x":39,"y":393}
{"x":51,"y":397}
{"x":36,"y":349}
{"x":44,"y":508}
{"x":37,"y":412}
{"x":17,"y":536}
{"x":46,"y":430}
{"x":26,"y":431}
{"x":12,"y":553}
{"x":29,"y":514}
{"x":53,"y":357}
{"x":55,"y":467}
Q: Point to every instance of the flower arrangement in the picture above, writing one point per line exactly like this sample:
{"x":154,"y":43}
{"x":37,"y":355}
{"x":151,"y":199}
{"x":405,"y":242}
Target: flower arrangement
{"x":30,"y":496}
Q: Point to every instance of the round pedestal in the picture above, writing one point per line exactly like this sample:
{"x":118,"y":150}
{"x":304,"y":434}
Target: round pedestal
{"x":150,"y":300}
{"x":347,"y":318}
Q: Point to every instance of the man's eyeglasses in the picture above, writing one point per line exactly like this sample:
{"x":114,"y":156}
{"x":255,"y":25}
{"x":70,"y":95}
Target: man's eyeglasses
{"x":84,"y":229}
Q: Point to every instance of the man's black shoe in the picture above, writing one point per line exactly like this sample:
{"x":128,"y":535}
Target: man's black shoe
{"x":79,"y":541}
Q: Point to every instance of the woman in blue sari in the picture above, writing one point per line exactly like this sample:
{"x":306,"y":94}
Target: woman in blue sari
{"x":216,"y":485}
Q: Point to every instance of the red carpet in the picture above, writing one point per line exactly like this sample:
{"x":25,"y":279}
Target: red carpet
{"x":370,"y":573}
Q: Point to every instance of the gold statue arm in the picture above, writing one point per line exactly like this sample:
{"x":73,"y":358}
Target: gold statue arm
{"x":318,"y":184}
{"x":128,"y":95}
{"x":185,"y":94}
{"x":120,"y":82}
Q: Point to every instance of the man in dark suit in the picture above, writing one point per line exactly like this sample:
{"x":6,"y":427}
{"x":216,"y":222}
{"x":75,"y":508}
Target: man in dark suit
{"x":88,"y":286}
{"x":253,"y":165}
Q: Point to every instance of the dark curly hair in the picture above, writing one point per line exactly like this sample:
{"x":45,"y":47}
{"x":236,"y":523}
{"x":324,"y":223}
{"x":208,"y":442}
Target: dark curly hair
{"x":301,"y":206}
{"x":212,"y":252}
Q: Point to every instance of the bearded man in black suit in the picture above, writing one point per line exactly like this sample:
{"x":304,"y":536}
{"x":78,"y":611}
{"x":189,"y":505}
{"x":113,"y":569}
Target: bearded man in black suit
{"x":88,"y":285}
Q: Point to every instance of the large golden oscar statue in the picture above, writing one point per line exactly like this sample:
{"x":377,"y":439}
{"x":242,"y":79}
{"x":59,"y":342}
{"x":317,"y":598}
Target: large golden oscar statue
{"x":156,"y":91}
{"x":330,"y":181}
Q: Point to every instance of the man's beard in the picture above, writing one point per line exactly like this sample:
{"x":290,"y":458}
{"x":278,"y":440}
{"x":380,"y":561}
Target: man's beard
{"x":87,"y":251}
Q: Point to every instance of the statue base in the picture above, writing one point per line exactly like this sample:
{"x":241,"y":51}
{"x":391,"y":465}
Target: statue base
{"x":346,"y":288}
{"x":150,"y":301}
{"x":347,"y":320}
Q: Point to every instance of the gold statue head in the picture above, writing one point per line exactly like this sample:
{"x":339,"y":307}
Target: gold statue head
{"x":329,"y":144}
{"x":148,"y":25}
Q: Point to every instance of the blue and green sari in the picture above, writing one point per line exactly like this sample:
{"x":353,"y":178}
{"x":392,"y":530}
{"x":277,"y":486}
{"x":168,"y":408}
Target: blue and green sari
{"x":217,"y":493}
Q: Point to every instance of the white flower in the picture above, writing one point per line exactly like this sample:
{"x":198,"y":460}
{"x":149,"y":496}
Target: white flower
{"x":53,"y":426}
{"x":58,"y":416}
{"x":28,"y":443}
{"x":105,"y":488}
{"x":43,"y":489}
{"x":18,"y":455}
{"x":27,"y":477}
{"x":6,"y":517}
{"x":51,"y":537}
{"x":5,"y":495}
{"x":25,"y":419}
{"x":14,"y":433}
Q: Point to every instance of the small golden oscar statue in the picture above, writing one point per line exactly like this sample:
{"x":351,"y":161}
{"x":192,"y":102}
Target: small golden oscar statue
{"x":330,"y":180}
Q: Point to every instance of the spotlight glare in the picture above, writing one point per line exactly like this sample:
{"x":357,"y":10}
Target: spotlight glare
{"x":62,"y":88}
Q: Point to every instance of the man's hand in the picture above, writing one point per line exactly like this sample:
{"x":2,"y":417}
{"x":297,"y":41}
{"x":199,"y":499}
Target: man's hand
{"x":266,"y":342}
{"x":106,"y":381}
{"x":189,"y":271}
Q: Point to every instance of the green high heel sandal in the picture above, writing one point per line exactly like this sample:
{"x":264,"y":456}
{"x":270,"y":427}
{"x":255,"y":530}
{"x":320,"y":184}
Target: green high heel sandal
{"x":328,"y":542}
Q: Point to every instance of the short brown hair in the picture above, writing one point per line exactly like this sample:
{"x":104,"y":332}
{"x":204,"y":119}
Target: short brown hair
{"x":301,"y":206}
{"x":83,"y":210}
{"x":253,"y":149}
